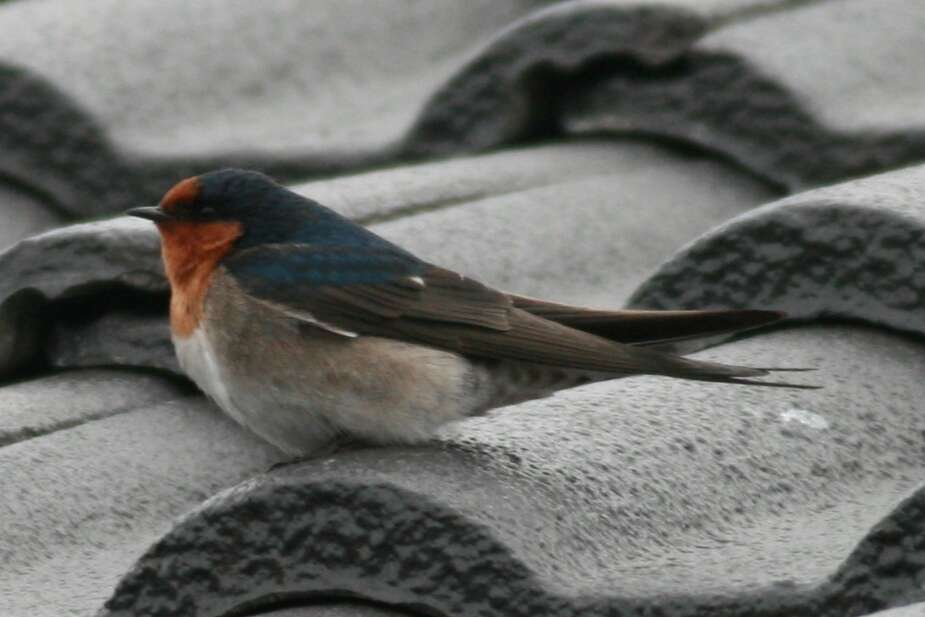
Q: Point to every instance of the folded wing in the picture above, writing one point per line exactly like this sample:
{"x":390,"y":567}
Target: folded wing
{"x":381,"y":291}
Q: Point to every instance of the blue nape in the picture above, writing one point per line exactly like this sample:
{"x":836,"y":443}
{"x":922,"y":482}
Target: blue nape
{"x":272,"y":268}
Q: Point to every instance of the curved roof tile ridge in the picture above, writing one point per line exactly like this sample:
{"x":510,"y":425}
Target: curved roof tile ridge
{"x":681,"y":69}
{"x":624,"y":497}
{"x":848,"y":251}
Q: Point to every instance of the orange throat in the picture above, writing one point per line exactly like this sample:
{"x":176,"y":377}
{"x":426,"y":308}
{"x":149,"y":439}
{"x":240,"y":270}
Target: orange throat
{"x":191,"y":252}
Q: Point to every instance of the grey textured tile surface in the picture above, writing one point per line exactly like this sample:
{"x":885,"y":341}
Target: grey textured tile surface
{"x":637,"y":497}
{"x":610,"y":230}
{"x":340,"y":89}
{"x":78,"y":264}
{"x":339,"y":609}
{"x":82,"y":503}
{"x":853,"y":44}
{"x":508,"y":90}
{"x":22,"y":215}
{"x":45,"y":405}
{"x":269,"y":76}
{"x":413,"y":189}
{"x":50,"y":148}
{"x":638,"y":492}
{"x":803,"y":96}
{"x":847,"y":251}
{"x":59,"y":263}
{"x":912,"y":610}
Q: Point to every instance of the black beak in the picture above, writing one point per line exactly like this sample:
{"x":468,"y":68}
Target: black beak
{"x":152,"y":214}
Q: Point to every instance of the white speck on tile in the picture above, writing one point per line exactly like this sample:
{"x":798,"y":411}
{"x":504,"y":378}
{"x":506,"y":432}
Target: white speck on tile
{"x":804,"y":417}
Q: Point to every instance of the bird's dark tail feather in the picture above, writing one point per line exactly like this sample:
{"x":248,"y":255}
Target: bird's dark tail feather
{"x":769,"y":384}
{"x":653,"y":329}
{"x":698,"y":370}
{"x":640,"y":327}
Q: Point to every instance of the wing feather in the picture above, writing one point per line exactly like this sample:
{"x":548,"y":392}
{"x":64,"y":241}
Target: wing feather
{"x":384,"y":291}
{"x":366,"y":284}
{"x":641,"y":327}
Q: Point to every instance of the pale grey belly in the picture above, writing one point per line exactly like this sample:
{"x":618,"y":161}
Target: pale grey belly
{"x":302,"y":390}
{"x":379,"y":390}
{"x":299,"y":387}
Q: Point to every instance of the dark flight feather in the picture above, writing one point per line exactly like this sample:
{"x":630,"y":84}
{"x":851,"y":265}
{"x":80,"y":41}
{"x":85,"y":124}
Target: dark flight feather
{"x":641,"y":327}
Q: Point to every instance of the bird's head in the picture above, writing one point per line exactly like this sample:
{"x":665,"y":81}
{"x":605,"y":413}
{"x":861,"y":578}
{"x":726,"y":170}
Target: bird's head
{"x":204,"y":218}
{"x":247,"y":201}
{"x":259,"y":210}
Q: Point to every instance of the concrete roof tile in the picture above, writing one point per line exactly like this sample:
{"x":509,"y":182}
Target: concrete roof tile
{"x":82,"y":501}
{"x":466,"y":90}
{"x":340,"y":76}
{"x":339,"y":608}
{"x":845,"y":251}
{"x":854,"y":44}
{"x":642,"y":496}
{"x":51,"y":149}
{"x":22,"y":215}
{"x":636,"y":493}
{"x":910,"y":610}
{"x":804,"y":95}
{"x":57,"y":402}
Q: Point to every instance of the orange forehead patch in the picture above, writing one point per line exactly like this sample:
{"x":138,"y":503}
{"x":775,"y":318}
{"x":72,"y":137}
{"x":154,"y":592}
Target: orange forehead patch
{"x":184,"y":191}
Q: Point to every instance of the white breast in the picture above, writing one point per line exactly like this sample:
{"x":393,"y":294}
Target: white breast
{"x":197,"y":359}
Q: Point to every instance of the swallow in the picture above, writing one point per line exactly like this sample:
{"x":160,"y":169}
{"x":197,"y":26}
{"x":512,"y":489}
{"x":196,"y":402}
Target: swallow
{"x":306,"y":327}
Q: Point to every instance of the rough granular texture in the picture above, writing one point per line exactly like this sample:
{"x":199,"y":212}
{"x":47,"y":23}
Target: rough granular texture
{"x":606,"y":153}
